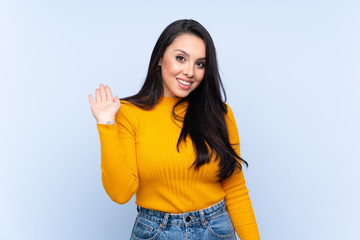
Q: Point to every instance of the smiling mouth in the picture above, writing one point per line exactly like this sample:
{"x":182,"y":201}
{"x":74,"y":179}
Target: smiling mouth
{"x":184,"y":82}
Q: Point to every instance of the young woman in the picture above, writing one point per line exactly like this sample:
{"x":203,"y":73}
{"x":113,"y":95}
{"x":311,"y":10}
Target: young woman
{"x":175,"y":145}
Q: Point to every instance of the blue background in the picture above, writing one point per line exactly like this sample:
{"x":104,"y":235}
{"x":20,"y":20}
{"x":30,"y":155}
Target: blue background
{"x":291,"y":71}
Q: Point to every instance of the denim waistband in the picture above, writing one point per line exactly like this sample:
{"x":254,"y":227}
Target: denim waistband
{"x":186,"y":218}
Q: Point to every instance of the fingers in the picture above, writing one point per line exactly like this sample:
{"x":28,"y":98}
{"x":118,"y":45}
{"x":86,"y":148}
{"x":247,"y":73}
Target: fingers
{"x":109,"y":95}
{"x":97,"y":95}
{"x":117,"y":100}
{"x":103,"y":92}
{"x":91,"y":99}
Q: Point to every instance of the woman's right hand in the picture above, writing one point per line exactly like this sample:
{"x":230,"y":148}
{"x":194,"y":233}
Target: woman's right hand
{"x":106,"y":107}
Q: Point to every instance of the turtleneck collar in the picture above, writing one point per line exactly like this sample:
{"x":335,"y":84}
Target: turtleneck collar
{"x":169,"y":102}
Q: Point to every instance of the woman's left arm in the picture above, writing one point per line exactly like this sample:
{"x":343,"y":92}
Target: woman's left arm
{"x":237,"y":198}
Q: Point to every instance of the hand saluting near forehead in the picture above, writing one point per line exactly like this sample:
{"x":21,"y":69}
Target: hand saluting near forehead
{"x":105,"y":107}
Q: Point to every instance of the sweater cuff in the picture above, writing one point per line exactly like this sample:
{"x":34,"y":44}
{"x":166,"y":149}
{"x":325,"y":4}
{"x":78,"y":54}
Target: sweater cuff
{"x":107,"y":129}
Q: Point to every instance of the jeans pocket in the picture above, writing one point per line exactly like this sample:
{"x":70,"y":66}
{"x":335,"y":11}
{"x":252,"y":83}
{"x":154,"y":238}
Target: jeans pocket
{"x":145,"y":229}
{"x":221,"y":227}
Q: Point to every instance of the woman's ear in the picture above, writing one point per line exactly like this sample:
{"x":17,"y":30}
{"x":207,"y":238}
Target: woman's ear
{"x":160,"y":61}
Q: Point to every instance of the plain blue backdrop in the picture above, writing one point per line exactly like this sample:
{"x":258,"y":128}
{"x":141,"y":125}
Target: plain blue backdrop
{"x":291,"y":72}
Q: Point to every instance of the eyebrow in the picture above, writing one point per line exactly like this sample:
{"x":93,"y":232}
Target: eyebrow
{"x":185,"y":53}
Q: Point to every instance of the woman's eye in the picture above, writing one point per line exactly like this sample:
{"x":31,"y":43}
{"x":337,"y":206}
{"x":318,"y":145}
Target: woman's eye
{"x":180,"y":58}
{"x":201,"y":64}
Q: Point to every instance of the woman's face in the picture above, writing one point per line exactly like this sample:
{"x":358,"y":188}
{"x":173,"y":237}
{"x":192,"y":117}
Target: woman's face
{"x":183,"y":65}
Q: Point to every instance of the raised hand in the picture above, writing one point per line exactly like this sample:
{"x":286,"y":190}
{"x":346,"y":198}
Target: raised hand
{"x":106,"y":107}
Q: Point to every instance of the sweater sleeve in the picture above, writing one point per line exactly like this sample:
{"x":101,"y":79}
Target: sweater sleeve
{"x":118,"y":156}
{"x":237,"y":199}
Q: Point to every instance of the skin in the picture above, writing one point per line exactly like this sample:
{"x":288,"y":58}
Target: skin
{"x":105,"y":107}
{"x":183,"y":59}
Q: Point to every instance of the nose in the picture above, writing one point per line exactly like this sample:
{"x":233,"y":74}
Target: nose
{"x":189,"y":70}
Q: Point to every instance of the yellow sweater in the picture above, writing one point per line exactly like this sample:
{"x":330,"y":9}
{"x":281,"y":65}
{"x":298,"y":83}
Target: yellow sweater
{"x":138,"y":155}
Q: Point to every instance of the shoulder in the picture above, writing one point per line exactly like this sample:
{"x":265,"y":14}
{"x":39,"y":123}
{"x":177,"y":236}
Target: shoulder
{"x":231,"y":124}
{"x":229,"y":115}
{"x":128,"y":106}
{"x":128,"y":112}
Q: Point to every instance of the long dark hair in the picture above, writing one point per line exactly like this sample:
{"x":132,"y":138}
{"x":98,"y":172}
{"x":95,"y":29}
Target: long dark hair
{"x":204,"y":120}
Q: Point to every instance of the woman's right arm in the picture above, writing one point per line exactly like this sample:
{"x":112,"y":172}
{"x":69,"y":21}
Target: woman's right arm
{"x":116,"y":126}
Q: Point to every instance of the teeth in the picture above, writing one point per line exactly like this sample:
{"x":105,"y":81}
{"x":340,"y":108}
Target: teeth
{"x":183,"y":82}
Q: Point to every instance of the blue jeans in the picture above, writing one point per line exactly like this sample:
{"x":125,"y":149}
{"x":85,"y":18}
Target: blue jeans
{"x":209,"y":223}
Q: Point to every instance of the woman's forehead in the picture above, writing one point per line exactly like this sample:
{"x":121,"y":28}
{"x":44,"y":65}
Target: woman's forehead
{"x":189,"y":45}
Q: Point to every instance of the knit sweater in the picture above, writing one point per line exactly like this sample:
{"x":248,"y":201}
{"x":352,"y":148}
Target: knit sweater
{"x":139,"y":155}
